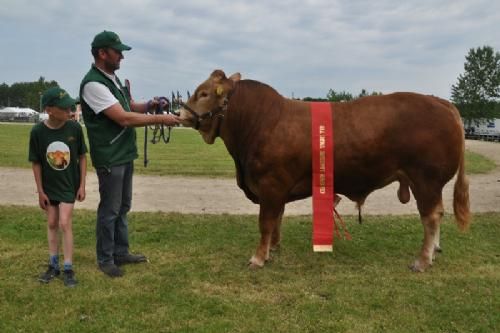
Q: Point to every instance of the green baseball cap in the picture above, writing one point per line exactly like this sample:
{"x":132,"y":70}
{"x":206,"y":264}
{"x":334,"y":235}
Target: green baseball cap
{"x":109,"y":39}
{"x":56,"y":96}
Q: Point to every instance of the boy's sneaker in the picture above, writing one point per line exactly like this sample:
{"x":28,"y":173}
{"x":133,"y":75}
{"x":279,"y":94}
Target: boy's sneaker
{"x":49,"y":275}
{"x":69,"y":278}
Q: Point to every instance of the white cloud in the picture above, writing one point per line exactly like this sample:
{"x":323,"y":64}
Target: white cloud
{"x":299,"y":47}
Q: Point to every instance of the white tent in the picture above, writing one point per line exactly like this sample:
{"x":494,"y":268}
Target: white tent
{"x":19,"y":111}
{"x":17,"y":114}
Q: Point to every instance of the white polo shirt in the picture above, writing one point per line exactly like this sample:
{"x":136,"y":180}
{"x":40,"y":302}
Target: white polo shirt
{"x":98,"y":96}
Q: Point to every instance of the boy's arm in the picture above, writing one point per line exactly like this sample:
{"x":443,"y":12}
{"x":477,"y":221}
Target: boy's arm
{"x":80,"y":196}
{"x":43,"y":199}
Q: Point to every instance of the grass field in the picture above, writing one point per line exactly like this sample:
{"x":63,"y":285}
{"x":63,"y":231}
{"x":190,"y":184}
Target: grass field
{"x":197,"y":279}
{"x":186,"y":154}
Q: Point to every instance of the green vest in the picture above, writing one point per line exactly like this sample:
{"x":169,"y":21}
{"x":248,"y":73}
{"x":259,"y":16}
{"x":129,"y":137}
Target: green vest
{"x":110,"y":143}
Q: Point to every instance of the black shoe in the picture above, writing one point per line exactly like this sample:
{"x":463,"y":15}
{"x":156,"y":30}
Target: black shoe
{"x":49,"y":275}
{"x":69,"y":278}
{"x":130,"y":259}
{"x":111,"y":270}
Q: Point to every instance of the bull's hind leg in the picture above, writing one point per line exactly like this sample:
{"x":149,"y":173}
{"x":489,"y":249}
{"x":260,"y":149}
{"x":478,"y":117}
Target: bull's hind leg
{"x":269,"y":221}
{"x":437,"y":234}
{"x":430,"y":215}
{"x":276,"y":237}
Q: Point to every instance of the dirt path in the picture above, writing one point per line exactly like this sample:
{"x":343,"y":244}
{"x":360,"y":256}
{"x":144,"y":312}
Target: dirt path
{"x":216,"y":196}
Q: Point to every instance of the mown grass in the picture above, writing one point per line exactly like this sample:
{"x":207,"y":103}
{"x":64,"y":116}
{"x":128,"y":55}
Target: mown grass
{"x":197,"y":279}
{"x":186,"y":154}
{"x":475,"y":163}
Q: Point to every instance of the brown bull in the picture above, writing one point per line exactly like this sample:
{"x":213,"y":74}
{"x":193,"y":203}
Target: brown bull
{"x":414,"y":139}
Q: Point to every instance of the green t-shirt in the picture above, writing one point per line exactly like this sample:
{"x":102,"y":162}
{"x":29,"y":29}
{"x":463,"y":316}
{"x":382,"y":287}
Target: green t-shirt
{"x":58,"y":151}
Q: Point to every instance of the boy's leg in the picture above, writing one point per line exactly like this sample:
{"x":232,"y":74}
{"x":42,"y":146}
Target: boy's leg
{"x":66,"y":224}
{"x":53,"y":229}
{"x":53,"y":240}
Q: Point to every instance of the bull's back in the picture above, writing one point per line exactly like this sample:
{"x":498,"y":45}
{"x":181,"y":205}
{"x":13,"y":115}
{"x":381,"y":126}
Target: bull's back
{"x":378,"y":137}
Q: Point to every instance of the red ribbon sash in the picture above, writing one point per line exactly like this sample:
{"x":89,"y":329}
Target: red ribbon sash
{"x":322,"y":161}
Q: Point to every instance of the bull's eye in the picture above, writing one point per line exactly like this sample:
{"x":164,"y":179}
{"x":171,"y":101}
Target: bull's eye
{"x":203,"y":94}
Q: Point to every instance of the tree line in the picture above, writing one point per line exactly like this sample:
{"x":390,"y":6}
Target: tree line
{"x":24,"y":94}
{"x":476,"y":93}
{"x":340,"y":96}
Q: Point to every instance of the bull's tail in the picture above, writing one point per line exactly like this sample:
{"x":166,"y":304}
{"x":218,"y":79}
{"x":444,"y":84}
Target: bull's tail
{"x":461,"y":205}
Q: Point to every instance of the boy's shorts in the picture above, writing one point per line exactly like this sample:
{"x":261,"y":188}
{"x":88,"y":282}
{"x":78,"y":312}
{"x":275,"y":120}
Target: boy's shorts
{"x":56,"y":203}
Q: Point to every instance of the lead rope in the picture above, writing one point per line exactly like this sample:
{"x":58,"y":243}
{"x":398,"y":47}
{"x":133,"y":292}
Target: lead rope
{"x":159,"y":131}
{"x":347,"y":235}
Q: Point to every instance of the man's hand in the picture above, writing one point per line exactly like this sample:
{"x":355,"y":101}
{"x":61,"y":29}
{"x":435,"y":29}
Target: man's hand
{"x":169,"y":119}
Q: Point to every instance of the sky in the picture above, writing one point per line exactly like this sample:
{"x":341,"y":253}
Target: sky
{"x":301,"y":48}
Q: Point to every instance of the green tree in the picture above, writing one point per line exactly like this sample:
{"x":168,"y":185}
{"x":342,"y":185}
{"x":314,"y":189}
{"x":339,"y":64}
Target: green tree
{"x":24,"y":94}
{"x":4,"y":95}
{"x":365,"y":92}
{"x":477,"y":91}
{"x":339,"y":96}
{"x":314,"y":99}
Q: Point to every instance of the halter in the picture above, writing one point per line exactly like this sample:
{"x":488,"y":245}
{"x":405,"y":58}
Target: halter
{"x":207,"y":115}
{"x":200,"y":117}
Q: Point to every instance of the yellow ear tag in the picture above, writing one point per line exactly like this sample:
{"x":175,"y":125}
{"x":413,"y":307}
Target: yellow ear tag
{"x":219,"y":91}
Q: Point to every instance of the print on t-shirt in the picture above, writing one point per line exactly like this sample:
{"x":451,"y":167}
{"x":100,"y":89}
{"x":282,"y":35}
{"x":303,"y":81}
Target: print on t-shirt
{"x":58,"y":155}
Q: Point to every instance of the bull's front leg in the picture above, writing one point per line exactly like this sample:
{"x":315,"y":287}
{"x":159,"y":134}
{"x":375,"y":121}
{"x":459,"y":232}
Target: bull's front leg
{"x":276,"y":236}
{"x":270,"y":215}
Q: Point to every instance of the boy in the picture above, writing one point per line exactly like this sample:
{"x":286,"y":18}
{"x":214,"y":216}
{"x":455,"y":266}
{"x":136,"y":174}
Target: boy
{"x":57,"y":152}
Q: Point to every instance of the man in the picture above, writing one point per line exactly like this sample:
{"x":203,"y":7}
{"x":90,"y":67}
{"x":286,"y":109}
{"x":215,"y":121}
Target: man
{"x":110,"y":116}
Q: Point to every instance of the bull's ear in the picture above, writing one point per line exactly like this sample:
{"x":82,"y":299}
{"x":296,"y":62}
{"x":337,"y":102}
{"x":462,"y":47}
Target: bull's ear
{"x":235,"y":77}
{"x":218,"y":75}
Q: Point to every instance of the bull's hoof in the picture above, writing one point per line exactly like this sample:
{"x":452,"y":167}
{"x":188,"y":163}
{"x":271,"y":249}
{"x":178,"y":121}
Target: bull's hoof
{"x":438,"y":249}
{"x":414,"y":268}
{"x":419,"y":267}
{"x":254,"y":267}
{"x":255,"y":263}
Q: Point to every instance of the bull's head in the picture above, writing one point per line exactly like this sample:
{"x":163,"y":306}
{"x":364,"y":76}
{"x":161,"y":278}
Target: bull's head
{"x":206,"y":108}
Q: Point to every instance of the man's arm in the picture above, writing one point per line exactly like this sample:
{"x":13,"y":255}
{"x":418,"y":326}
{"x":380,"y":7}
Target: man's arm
{"x":133,"y":119}
{"x":100,"y":99}
{"x":138,"y":107}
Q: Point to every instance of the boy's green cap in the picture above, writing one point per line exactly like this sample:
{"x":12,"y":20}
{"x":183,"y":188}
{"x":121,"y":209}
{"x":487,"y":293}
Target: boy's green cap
{"x":56,"y":96}
{"x":109,"y":39}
